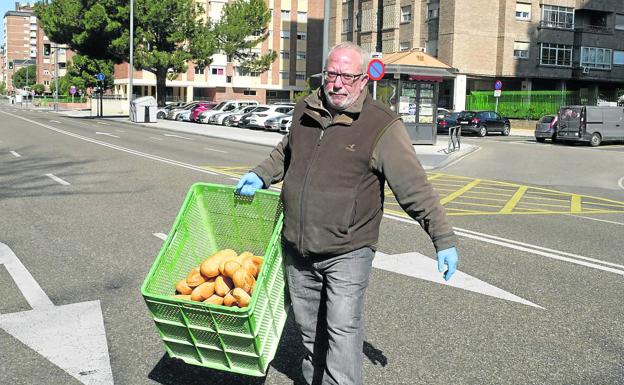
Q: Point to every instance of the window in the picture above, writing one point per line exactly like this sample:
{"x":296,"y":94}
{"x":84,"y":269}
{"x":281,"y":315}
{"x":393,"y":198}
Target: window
{"x":302,"y":35}
{"x":431,"y":47}
{"x":619,"y":22}
{"x":285,"y":55}
{"x":300,"y":76}
{"x":406,"y":14}
{"x":593,"y":57}
{"x":249,"y":92}
{"x":404,"y":46}
{"x":285,"y":15}
{"x":301,"y":55}
{"x":284,"y":74}
{"x":618,"y":57}
{"x":228,"y":79}
{"x":557,"y":17}
{"x":433,"y":11}
{"x":242,"y":71}
{"x":302,"y":17}
{"x":285,"y":34}
{"x":217,"y":71}
{"x":199,"y":70}
{"x":521,"y":50}
{"x":523,"y":11}
{"x":556,"y":55}
{"x":347,"y":25}
{"x":358,"y":21}
{"x":46,"y":72}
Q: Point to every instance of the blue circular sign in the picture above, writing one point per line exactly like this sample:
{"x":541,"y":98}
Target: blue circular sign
{"x":376,"y":69}
{"x":100,"y":77}
{"x":498,"y":85}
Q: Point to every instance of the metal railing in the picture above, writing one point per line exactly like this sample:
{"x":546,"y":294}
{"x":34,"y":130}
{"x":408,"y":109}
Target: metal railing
{"x":454,"y":140}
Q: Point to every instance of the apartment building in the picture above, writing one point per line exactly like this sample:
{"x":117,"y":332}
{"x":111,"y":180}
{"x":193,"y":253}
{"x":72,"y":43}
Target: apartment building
{"x":295,"y":33}
{"x":26,"y":44}
{"x":574,"y":45}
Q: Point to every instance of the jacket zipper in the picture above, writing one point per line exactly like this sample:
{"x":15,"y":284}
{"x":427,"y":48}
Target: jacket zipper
{"x":304,"y":188}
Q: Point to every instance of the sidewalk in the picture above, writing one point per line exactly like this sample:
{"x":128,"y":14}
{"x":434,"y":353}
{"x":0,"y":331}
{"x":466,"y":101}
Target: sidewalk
{"x":431,"y":156}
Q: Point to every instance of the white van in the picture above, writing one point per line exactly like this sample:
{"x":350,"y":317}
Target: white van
{"x":593,"y":124}
{"x":224,"y":106}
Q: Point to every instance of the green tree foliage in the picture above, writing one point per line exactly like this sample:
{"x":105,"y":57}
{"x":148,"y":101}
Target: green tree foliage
{"x":3,"y":88}
{"x":168,"y":33}
{"x":19,"y":77}
{"x":81,"y":72}
{"x":39,"y":89}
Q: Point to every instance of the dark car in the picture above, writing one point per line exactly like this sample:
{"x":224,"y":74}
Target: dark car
{"x":483,"y":122}
{"x":447,"y":121}
{"x":546,"y":128}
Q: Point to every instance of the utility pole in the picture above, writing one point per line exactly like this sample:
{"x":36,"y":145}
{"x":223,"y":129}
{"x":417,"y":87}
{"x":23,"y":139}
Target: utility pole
{"x":131,"y":64}
{"x":56,"y":75}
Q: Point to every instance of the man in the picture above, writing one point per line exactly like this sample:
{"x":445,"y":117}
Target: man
{"x":342,"y":148}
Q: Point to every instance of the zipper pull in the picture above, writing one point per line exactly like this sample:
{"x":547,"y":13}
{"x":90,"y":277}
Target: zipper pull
{"x":321,"y":137}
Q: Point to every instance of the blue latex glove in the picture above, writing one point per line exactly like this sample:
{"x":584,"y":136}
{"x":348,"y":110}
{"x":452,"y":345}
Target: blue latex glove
{"x":248,"y":184}
{"x":447,"y":257}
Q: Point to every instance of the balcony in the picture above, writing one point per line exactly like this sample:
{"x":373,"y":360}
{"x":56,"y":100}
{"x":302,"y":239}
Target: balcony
{"x":600,"y":29}
{"x":556,"y":25}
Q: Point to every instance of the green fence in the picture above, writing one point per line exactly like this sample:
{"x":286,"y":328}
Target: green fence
{"x":523,"y":104}
{"x":43,"y":100}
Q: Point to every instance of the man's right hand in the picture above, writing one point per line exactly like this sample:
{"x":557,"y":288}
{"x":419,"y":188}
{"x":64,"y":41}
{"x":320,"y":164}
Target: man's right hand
{"x":248,"y":184}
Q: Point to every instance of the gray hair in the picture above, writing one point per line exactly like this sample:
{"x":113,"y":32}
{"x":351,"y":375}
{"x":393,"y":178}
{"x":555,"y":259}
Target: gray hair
{"x":352,"y":46}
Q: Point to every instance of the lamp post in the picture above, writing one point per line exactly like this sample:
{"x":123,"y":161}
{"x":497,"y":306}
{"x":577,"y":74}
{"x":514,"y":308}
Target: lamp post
{"x":130,"y":64}
{"x":56,"y":75}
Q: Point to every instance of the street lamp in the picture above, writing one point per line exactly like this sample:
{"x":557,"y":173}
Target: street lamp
{"x":130,"y":65}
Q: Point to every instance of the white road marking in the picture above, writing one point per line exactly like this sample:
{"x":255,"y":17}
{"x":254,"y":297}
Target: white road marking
{"x":178,"y":136}
{"x":162,"y":236}
{"x":102,"y":123}
{"x":106,"y":133}
{"x":119,"y":148}
{"x":215,"y":150}
{"x":599,"y":220}
{"x":422,"y":267}
{"x":57,"y":179}
{"x":122,"y":131}
{"x":15,"y":154}
{"x":236,"y":179}
{"x":621,"y":182}
{"x":54,"y":121}
{"x":70,"y":336}
{"x":152,"y":137}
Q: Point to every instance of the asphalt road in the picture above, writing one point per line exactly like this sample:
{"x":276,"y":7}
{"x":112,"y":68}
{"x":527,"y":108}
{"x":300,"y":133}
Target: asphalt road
{"x":94,"y":240}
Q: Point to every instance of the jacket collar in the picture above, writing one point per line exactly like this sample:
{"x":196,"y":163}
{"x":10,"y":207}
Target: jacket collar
{"x":315,"y":108}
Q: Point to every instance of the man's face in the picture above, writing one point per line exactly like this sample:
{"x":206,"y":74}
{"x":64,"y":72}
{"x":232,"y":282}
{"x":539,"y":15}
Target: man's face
{"x":342,"y":93}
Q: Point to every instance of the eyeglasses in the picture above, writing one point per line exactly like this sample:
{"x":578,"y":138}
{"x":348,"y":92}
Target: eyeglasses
{"x":347,"y":79}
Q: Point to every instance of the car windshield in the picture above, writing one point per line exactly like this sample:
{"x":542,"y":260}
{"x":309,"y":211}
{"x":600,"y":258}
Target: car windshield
{"x":261,"y":109}
{"x":547,"y":119}
{"x":220,"y":105}
{"x":466,"y":115}
{"x":453,"y":115}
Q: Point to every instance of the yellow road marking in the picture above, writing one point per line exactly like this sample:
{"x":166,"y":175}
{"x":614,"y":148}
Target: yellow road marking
{"x":509,"y":206}
{"x":459,"y":192}
{"x":575,"y":204}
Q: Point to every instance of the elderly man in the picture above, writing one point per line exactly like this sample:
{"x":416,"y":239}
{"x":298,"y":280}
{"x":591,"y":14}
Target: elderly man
{"x":341,"y":150}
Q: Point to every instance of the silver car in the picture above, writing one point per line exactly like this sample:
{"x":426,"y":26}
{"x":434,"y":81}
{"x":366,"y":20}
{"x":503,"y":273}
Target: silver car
{"x":546,"y":128}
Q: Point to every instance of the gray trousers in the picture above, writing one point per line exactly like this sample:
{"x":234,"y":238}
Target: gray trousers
{"x":327,"y":296}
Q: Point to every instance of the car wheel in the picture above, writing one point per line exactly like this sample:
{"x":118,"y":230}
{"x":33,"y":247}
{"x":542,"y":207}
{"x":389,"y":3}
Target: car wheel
{"x":160,"y":115}
{"x":595,"y":140}
{"x":179,"y":118}
{"x":540,"y":140}
{"x":506,"y":130}
{"x":482,"y":131}
{"x":228,"y":122}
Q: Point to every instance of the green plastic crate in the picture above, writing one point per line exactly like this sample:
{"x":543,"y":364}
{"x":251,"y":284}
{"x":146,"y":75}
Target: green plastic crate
{"x":236,"y":340}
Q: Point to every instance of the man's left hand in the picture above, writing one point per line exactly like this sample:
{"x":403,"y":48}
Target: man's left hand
{"x":447,"y":257}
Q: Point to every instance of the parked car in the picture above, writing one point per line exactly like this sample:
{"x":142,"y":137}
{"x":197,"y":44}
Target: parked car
{"x":161,"y":113}
{"x":273,"y":124}
{"x":285,"y":123}
{"x":442,"y":113}
{"x":225,"y":106}
{"x":221,"y":117}
{"x":184,"y":116}
{"x":483,"y":122}
{"x":546,"y":128}
{"x":592,"y":124}
{"x":257,"y":118}
{"x":201,"y":107}
{"x":447,"y":122}
{"x":236,"y":119}
{"x":173,"y":113}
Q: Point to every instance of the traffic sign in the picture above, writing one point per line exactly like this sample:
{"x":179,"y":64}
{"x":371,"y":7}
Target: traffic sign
{"x":72,"y":90}
{"x":498,"y":85}
{"x":100,"y":77}
{"x":376,"y":69}
{"x":497,"y":93}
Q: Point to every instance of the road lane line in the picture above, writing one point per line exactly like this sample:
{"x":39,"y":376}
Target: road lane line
{"x":102,"y":123}
{"x":54,"y":121}
{"x":178,"y":136}
{"x":15,"y":154}
{"x":161,"y":236}
{"x":57,"y":179}
{"x":119,"y":148}
{"x":106,"y":133}
{"x":32,"y":292}
{"x":513,"y":202}
{"x":215,"y":150}
{"x":599,"y":220}
{"x":153,"y":137}
{"x":621,"y":183}
{"x":459,"y":192}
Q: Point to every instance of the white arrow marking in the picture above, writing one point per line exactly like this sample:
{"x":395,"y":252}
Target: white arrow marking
{"x":106,"y":133}
{"x":15,"y":154}
{"x":177,"y":136}
{"x":57,"y":179}
{"x":419,"y":266}
{"x":54,"y":121}
{"x":70,"y":336}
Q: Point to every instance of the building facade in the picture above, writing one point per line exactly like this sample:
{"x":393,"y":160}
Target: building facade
{"x":567,"y":45}
{"x":295,"y":33}
{"x":26,"y":44}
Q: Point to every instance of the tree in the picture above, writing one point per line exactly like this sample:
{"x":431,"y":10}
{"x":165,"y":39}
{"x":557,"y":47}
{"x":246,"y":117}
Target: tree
{"x":39,"y":89}
{"x":168,"y":33}
{"x":19,"y":77}
{"x":81,"y":72}
{"x":2,"y":88}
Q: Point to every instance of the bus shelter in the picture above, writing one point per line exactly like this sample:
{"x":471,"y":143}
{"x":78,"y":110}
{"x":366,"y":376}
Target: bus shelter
{"x":410,"y":87}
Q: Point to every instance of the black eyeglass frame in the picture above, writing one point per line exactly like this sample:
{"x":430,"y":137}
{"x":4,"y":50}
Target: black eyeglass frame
{"x":356,"y":77}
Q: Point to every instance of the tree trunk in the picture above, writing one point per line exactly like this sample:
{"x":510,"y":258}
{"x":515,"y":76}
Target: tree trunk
{"x":161,"y":86}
